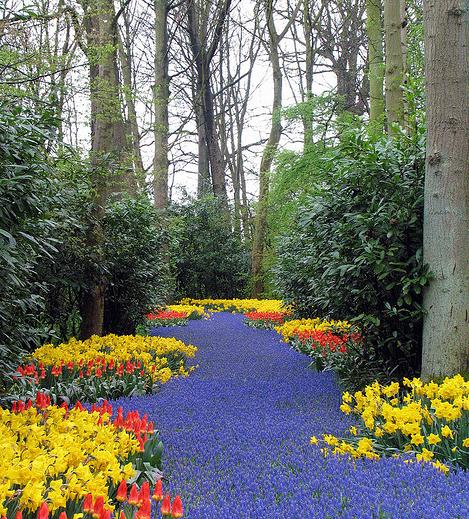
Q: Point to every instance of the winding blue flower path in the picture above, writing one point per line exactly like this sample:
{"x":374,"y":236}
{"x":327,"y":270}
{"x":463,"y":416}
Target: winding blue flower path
{"x":236,"y":436}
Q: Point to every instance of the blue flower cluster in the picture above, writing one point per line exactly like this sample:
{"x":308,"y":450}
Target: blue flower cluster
{"x":236,"y":436}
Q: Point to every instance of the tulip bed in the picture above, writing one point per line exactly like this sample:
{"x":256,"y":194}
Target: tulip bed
{"x":166,"y":318}
{"x":237,"y":438}
{"x":175,"y":315}
{"x":325,"y":342}
{"x":264,"y":320}
{"x":63,"y":463}
{"x":102,"y":367}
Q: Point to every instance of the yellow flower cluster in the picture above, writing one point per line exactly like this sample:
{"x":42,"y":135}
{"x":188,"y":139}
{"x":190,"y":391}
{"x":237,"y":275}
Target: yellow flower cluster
{"x":152,"y":352}
{"x":429,"y":420}
{"x":189,"y":310}
{"x":295,"y":326}
{"x":239,"y":305}
{"x":60,"y":457}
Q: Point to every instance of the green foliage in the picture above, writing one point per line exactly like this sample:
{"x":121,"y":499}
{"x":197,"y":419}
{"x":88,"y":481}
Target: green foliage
{"x":296,"y":176}
{"x":208,"y":258}
{"x":355,"y":251}
{"x":138,"y":274}
{"x":25,"y":195}
{"x":45,"y":261}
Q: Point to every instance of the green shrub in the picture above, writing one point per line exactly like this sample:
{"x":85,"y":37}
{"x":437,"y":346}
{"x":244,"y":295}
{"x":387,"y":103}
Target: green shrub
{"x":355,"y":249}
{"x":25,"y":196}
{"x":138,"y":272}
{"x":209,"y":259}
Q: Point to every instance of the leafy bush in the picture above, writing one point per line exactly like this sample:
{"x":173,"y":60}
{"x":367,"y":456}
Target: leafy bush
{"x":138,"y":273}
{"x":355,"y":249}
{"x":208,"y":258}
{"x":25,"y":194}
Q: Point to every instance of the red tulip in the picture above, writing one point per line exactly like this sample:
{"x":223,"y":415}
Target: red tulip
{"x":122,"y":491}
{"x":177,"y":510}
{"x":63,"y":515}
{"x":166,"y":505}
{"x":43,"y":511}
{"x":133,"y":496}
{"x":88,"y":504}
{"x":144,"y":511}
{"x":144,"y":494}
{"x":158,"y":492}
{"x":19,"y":515}
{"x":98,"y":507}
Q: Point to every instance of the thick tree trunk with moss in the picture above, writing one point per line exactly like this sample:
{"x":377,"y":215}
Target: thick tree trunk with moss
{"x":376,"y":62}
{"x":446,"y":217}
{"x":394,"y":63}
{"x":110,"y":157}
{"x":161,"y":100}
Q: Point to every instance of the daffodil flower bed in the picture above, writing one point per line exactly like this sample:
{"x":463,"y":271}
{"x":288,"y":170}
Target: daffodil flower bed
{"x":238,"y":305}
{"x":265,"y":320}
{"x":102,"y":367}
{"x":64,"y":462}
{"x":425,"y":422}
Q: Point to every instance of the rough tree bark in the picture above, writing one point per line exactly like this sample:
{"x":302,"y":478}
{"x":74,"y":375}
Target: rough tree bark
{"x":394,"y":64}
{"x":161,"y":100}
{"x":446,"y":216}
{"x":376,"y":62}
{"x":109,"y":155}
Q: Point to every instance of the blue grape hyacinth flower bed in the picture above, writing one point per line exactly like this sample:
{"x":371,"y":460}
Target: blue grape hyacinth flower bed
{"x":237,"y":431}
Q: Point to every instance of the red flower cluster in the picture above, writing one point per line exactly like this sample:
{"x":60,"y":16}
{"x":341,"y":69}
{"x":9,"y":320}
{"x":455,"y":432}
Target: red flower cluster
{"x":165,"y":315}
{"x":42,"y":401}
{"x":268,"y":317}
{"x":140,"y":499}
{"x":98,"y":368}
{"x":327,"y":341}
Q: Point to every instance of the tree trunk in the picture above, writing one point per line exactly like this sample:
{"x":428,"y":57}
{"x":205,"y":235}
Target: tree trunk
{"x":112,"y":172}
{"x":260,"y":224}
{"x":133,"y":134}
{"x":446,"y":217}
{"x":161,"y":100}
{"x":394,"y":64}
{"x":308,"y":131}
{"x":376,"y":63}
